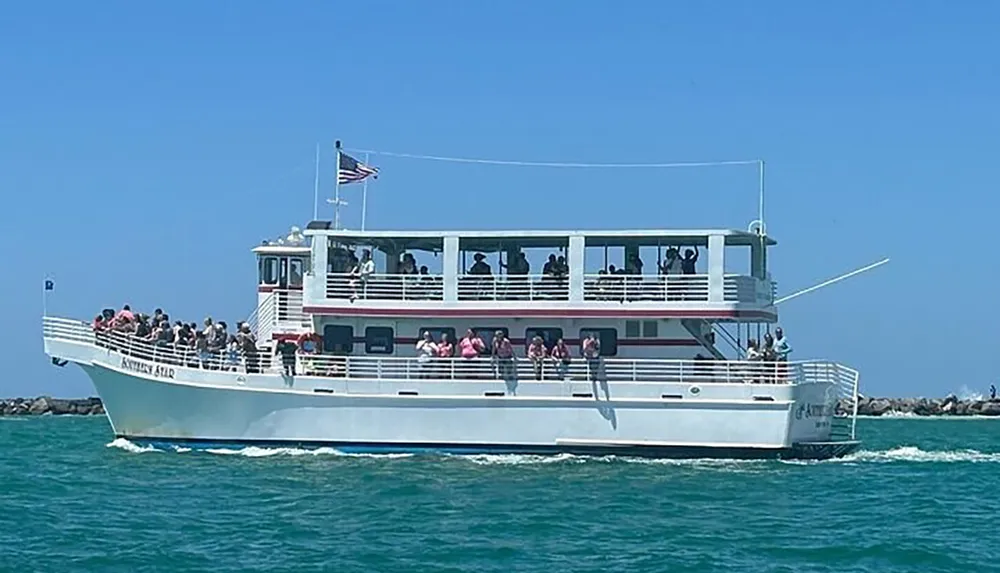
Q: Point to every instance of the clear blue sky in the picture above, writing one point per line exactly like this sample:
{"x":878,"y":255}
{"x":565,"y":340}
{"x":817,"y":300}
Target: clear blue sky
{"x":146,"y":147}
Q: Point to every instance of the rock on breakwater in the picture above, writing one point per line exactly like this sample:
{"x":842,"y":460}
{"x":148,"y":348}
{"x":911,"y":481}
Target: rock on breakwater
{"x":54,"y":406}
{"x":949,"y":406}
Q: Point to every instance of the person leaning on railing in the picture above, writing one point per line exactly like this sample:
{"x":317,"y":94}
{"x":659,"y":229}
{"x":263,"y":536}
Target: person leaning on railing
{"x":537,"y":354}
{"x":561,"y":357}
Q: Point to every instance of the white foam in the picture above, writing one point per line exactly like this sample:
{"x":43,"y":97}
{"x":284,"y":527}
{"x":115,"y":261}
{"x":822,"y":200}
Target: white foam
{"x":915,"y":454}
{"x":123,"y":444}
{"x":258,"y":452}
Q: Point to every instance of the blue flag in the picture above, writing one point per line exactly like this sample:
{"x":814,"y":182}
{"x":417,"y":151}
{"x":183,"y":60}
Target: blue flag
{"x":49,"y":284}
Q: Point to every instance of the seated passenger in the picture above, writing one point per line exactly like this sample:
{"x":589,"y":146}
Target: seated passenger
{"x":537,"y":354}
{"x":560,"y":355}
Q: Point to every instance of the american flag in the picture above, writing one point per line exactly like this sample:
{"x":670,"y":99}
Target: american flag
{"x":350,"y":170}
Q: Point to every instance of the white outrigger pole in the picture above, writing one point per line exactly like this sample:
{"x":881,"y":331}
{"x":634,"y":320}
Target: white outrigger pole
{"x":829,"y":282}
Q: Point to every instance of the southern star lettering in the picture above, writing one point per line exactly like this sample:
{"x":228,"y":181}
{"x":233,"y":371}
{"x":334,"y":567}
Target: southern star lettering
{"x":147,"y":368}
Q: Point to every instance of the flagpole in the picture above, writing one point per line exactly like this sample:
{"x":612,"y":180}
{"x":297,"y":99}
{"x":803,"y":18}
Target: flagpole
{"x":364,"y":198}
{"x":336,"y":190}
{"x":316,"y":187}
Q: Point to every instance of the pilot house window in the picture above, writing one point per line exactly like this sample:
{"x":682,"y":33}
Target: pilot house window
{"x":295,"y":272}
{"x":269,"y":271}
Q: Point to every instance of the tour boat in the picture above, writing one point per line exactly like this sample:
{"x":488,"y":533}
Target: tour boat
{"x":669,"y":377}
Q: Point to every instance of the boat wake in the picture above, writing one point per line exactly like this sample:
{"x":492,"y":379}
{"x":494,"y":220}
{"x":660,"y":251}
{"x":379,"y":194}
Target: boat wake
{"x":910,"y":454}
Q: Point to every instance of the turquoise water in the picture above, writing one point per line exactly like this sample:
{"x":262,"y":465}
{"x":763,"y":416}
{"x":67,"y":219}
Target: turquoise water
{"x":919,"y":497}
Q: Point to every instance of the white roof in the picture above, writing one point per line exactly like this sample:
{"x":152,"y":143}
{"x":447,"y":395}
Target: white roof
{"x":651,"y":236}
{"x":282,"y":250}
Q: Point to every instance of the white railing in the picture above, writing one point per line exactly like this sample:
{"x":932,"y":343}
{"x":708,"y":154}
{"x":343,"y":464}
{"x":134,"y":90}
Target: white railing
{"x":674,"y":288}
{"x":67,"y":330}
{"x":261,"y":320}
{"x":385,"y":287}
{"x":288,"y":310}
{"x":513,"y":287}
{"x":406,"y":368}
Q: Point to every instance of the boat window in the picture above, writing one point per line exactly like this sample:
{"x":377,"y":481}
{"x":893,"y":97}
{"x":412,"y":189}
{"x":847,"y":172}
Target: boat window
{"x":631,"y":329}
{"x":269,"y":271}
{"x":486,"y":334}
{"x":379,"y":340}
{"x":549,"y":336}
{"x":650,"y":329}
{"x":437,"y":331}
{"x":338,"y":339}
{"x":295,"y":268}
{"x":283,"y":272}
{"x":608,"y":338}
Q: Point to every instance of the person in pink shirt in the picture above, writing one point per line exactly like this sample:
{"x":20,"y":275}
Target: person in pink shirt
{"x":537,"y":354}
{"x":560,"y":355}
{"x":445,"y":351}
{"x":471,"y":347}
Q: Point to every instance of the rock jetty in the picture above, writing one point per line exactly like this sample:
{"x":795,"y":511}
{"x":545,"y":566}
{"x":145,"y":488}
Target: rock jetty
{"x":54,"y":406}
{"x":948,"y":406}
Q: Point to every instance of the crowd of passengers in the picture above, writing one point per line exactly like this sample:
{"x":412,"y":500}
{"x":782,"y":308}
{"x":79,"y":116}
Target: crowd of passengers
{"x":212,"y":344}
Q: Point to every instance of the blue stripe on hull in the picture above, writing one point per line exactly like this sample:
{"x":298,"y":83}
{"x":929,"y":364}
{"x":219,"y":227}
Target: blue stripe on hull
{"x":812,"y":451}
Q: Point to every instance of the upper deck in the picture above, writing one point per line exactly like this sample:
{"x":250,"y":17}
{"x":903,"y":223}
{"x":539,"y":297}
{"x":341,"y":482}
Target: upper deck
{"x":640,"y":273}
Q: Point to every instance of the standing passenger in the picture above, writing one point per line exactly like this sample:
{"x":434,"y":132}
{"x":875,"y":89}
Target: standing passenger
{"x":503,"y":353}
{"x":560,"y":355}
{"x":592,"y":353}
{"x":426,"y":350}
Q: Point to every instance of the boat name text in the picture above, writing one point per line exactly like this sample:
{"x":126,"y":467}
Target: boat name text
{"x":147,"y":368}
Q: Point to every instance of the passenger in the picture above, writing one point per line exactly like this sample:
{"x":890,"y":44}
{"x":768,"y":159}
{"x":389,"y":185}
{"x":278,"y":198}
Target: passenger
{"x":633,"y":265}
{"x":201,"y":350}
{"x":445,"y":352}
{"x":471,"y":346}
{"x":232,"y":353}
{"x":753,"y":352}
{"x":519,"y":266}
{"x":561,"y":357}
{"x":537,"y":354}
{"x":287,"y":350}
{"x":426,"y":350}
{"x":549,"y":268}
{"x":688,"y":264}
{"x":408,"y":265}
{"x":100,"y":324}
{"x":480,"y":267}
{"x":361,"y":273}
{"x":143,"y":331}
{"x":592,"y":353}
{"x":672,"y":263}
{"x":781,"y":347}
{"x":248,"y":344}
{"x":125,"y":314}
{"x":503,"y":354}
{"x":562,"y":268}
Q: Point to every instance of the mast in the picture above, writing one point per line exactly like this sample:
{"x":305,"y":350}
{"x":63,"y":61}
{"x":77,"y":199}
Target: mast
{"x":336,"y":190}
{"x":316,"y":187}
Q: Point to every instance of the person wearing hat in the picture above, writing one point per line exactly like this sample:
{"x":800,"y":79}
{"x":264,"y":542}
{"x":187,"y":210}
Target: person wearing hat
{"x":480,"y":267}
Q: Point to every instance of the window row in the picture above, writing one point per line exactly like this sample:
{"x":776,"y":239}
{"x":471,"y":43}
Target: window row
{"x":340,"y":339}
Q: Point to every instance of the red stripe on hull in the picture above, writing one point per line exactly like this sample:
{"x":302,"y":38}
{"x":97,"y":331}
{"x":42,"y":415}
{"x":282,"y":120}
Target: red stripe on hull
{"x":537,"y":312}
{"x":572,"y":342}
{"x":272,"y":288}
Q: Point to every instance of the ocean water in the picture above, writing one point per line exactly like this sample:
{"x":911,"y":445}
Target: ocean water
{"x":920,"y":496}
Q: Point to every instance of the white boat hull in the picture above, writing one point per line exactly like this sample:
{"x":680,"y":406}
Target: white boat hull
{"x":457,"y":416}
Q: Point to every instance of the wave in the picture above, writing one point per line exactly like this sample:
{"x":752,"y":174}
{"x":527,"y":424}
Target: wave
{"x":911,"y":454}
{"x":248,"y":451}
{"x":915,"y":454}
